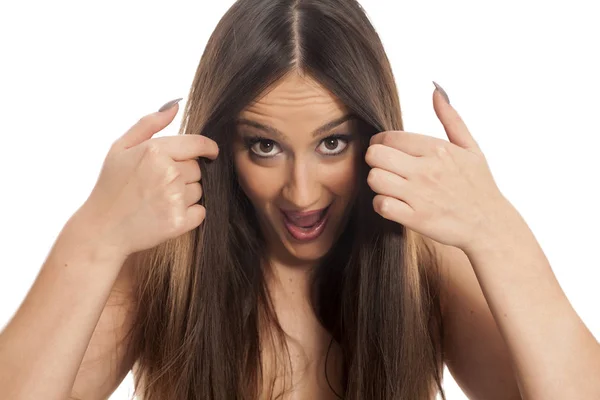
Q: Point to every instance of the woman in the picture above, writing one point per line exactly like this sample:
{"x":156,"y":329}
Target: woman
{"x":333,"y":259}
{"x":262,"y":67}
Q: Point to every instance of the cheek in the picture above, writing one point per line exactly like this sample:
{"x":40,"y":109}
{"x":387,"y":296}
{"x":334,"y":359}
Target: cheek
{"x":260,"y":184}
{"x":340,"y":178}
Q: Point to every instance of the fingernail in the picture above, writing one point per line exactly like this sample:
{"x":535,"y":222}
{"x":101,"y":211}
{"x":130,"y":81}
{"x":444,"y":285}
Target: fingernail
{"x":442,"y":92}
{"x":169,"y":104}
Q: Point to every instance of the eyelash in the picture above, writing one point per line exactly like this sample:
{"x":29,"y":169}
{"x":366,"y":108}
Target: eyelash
{"x":250,"y":141}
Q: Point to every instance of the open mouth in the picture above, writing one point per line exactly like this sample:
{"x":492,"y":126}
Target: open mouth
{"x":306,"y":227}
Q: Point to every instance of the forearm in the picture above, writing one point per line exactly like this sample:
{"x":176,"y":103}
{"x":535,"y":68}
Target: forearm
{"x":42,"y":346}
{"x":555,"y":355}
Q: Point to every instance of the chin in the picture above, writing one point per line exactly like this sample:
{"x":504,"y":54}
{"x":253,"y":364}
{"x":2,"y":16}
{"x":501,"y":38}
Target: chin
{"x":310,"y":251}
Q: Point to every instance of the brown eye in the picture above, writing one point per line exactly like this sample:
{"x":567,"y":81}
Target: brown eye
{"x":331,"y":143}
{"x":266,"y":146}
{"x":263,"y":147}
{"x":334,"y":145}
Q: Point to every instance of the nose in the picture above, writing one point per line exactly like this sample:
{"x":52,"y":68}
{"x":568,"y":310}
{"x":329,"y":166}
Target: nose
{"x":302,"y":190}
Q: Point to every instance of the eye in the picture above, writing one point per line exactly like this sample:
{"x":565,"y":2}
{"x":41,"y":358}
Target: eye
{"x":262,"y":147}
{"x":334,"y":145}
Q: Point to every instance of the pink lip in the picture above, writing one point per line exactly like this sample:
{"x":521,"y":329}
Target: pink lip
{"x":306,"y":234}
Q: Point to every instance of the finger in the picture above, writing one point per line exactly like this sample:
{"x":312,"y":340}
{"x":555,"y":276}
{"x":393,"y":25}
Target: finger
{"x":453,"y":124}
{"x":147,"y":126}
{"x":194,"y":217}
{"x":388,"y":184}
{"x":186,"y":147}
{"x":415,"y":144}
{"x":189,"y":170}
{"x":393,"y":209}
{"x":193,"y":193}
{"x":390,"y":159}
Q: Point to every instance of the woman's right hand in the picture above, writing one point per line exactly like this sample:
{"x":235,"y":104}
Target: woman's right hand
{"x":148,"y":188}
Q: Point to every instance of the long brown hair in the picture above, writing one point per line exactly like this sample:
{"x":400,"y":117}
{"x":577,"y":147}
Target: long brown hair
{"x":202,"y":297}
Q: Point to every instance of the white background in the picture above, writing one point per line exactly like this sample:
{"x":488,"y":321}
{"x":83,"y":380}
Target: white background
{"x":523,"y":75}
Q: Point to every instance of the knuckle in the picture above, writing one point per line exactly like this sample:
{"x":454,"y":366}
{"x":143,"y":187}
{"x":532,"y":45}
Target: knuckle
{"x":206,"y":144}
{"x":441,"y":150}
{"x":175,"y":199}
{"x":204,"y":141}
{"x":372,"y":152}
{"x":152,"y":148}
{"x":369,"y":154}
{"x":387,"y":139}
{"x":175,"y":211}
{"x":177,"y":221}
{"x":168,"y":198}
{"x":382,"y":204}
{"x":434,"y":172}
{"x":435,"y":176}
{"x":427,"y":176}
{"x":171,"y":173}
{"x":373,"y":176}
{"x":378,"y":148}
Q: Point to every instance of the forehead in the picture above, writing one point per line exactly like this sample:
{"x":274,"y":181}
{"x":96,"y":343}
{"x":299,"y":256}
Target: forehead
{"x":295,"y":101}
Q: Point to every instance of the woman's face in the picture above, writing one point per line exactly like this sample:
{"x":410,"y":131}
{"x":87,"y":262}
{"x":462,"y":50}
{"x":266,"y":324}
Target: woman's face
{"x":296,"y":152}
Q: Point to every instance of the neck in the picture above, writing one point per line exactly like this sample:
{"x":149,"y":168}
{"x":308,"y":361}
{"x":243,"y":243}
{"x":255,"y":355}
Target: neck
{"x":289,"y":282}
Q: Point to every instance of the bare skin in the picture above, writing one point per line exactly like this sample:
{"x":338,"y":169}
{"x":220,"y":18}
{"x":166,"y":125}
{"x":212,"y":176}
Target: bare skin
{"x":300,"y":176}
{"x":302,"y":172}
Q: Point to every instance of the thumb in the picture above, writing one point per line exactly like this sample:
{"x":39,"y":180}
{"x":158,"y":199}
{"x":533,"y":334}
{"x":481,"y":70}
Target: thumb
{"x":148,"y":125}
{"x":455,"y":127}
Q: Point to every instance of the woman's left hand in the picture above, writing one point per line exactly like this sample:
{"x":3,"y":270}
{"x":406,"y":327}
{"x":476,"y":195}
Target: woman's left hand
{"x":443,"y":190}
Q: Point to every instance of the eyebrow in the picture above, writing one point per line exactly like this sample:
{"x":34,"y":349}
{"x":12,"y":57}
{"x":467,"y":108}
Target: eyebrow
{"x":317,"y":132}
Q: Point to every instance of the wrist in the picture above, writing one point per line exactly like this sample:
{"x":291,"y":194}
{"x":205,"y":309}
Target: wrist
{"x":504,"y":226}
{"x":87,"y":234}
